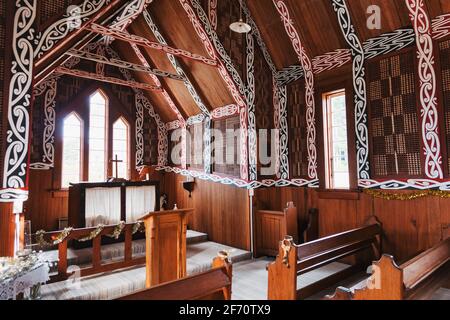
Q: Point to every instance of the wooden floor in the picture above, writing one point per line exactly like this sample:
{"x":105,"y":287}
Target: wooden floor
{"x":250,"y":278}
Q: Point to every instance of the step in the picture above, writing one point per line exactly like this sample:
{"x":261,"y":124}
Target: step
{"x":115,"y":284}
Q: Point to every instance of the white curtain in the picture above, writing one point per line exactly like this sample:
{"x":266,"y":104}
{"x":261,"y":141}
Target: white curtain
{"x":102,"y":206}
{"x":140,"y":201}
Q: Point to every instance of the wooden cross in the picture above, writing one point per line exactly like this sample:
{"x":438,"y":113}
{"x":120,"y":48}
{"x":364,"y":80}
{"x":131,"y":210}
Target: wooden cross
{"x":116,"y":161}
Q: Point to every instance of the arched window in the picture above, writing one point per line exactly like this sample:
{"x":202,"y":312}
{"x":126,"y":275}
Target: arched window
{"x":71,"y":159}
{"x":97,"y":137}
{"x":121,"y":148}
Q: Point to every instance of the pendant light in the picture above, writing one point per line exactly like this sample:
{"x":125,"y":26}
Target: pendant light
{"x":240,"y":26}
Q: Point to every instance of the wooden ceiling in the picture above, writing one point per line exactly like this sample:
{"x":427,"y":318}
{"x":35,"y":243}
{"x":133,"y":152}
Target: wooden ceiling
{"x":315,"y":21}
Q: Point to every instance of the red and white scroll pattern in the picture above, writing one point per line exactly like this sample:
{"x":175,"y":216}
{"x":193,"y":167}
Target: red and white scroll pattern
{"x":309,"y":81}
{"x":173,"y":125}
{"x":231,"y":85}
{"x":428,"y":85}
{"x":141,"y":41}
{"x":49,"y":87}
{"x":141,"y":99}
{"x":226,"y":111}
{"x":130,"y":13}
{"x":72,"y":20}
{"x":15,"y":173}
{"x":170,"y":102}
{"x":240,"y":183}
{"x":192,"y":91}
{"x":212,"y":12}
{"x":250,"y":96}
{"x":99,"y":77}
{"x":441,"y":26}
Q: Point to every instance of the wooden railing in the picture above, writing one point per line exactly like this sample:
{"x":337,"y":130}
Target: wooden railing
{"x":294,"y":260}
{"x":97,"y":265}
{"x":214,"y":284}
{"x":407,"y":281}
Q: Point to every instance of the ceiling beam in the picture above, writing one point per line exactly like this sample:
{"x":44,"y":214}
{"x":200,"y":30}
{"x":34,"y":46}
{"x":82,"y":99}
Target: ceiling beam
{"x":101,"y":78}
{"x":176,"y":64}
{"x":205,"y":114}
{"x":69,"y":27}
{"x":143,"y":42}
{"x":46,"y":69}
{"x":121,"y":64}
{"x":374,"y":47}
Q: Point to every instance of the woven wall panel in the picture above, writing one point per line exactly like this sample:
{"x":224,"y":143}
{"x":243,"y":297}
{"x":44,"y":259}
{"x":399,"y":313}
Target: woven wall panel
{"x":174,"y":157}
{"x":195,"y":147}
{"x":230,"y":146}
{"x":234,"y":43}
{"x":394,"y":124}
{"x":49,"y":9}
{"x":150,"y":140}
{"x":444,"y":48}
{"x":263,"y":101}
{"x":298,"y":149}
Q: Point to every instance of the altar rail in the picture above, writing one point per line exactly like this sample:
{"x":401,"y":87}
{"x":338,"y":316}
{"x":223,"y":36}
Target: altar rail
{"x":97,"y":266}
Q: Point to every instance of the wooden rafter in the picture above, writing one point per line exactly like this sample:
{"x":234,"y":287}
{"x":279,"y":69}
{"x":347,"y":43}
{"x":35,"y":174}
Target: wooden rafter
{"x":46,"y":69}
{"x":143,"y":42}
{"x":53,"y":41}
{"x":122,"y":64}
{"x":97,"y":77}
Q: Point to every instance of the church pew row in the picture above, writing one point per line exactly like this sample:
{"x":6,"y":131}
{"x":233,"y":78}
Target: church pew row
{"x":363,"y":244}
{"x":97,"y":266}
{"x":415,"y":278}
{"x":214,"y":284}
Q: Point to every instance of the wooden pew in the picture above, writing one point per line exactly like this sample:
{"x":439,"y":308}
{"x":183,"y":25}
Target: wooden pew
{"x":311,"y":232}
{"x":294,"y":260}
{"x":415,"y":279}
{"x":214,"y":284}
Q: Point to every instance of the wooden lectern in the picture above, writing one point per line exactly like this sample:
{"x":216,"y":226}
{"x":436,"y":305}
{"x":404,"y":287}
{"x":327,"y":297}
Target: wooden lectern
{"x":165,"y":233}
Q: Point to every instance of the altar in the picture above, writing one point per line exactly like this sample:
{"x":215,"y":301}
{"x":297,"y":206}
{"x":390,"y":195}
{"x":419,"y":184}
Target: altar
{"x":109,"y":203}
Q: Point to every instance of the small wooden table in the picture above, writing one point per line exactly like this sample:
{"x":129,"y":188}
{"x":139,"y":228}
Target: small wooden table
{"x":165,"y":233}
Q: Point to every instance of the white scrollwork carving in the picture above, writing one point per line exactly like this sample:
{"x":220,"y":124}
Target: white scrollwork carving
{"x":309,"y":81}
{"x":359,"y":83}
{"x":428,"y":85}
{"x":19,"y":101}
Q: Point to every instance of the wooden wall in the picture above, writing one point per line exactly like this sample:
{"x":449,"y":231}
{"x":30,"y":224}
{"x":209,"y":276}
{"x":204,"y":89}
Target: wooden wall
{"x":409,"y":226}
{"x":220,"y":211}
{"x":45,"y":206}
{"x":7,"y":228}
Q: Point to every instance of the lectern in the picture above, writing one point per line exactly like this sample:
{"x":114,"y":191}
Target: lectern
{"x":165,"y":233}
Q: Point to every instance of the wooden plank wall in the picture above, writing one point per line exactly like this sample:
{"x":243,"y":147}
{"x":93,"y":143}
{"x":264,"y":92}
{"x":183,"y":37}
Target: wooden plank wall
{"x":409,"y":226}
{"x":44,"y":206}
{"x":7,"y":228}
{"x":220,"y":211}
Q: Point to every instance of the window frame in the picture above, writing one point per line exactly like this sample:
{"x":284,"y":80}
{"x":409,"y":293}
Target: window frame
{"x":328,"y":139}
{"x":82,"y":127}
{"x":128,"y":146}
{"x":107,"y":142}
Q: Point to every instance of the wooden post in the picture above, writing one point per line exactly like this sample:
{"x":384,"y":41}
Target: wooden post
{"x":7,"y":229}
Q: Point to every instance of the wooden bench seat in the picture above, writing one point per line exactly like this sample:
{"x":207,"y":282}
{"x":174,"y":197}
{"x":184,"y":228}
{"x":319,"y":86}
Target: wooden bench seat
{"x":214,"y":284}
{"x":294,"y":260}
{"x":414,"y":279}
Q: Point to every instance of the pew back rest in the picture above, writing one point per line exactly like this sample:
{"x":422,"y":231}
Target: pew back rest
{"x":423,"y":265}
{"x":315,"y":254}
{"x":214,"y":284}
